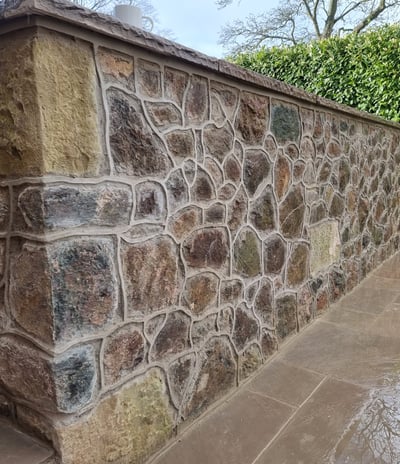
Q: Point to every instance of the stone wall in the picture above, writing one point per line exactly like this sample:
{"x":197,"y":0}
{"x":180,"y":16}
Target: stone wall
{"x":165,"y":227}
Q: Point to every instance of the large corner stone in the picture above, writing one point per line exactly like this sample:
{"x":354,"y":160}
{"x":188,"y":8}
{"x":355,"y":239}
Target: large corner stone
{"x":325,"y":246}
{"x":48,"y":109}
{"x":126,"y":427}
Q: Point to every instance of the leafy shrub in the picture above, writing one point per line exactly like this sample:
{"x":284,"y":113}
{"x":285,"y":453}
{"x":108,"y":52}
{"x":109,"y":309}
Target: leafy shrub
{"x":359,"y":70}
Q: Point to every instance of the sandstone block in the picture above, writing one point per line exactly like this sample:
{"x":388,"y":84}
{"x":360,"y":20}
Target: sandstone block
{"x":201,"y":292}
{"x":117,"y":68}
{"x":324,"y":246}
{"x":149,"y":78}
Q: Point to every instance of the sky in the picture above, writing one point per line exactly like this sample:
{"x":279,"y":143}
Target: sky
{"x":196,"y":23}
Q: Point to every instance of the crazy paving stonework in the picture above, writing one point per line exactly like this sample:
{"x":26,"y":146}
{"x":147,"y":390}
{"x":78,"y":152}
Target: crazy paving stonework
{"x":181,"y":229}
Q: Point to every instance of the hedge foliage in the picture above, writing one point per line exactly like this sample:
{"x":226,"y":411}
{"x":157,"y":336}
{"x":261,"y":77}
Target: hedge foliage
{"x":359,"y":70}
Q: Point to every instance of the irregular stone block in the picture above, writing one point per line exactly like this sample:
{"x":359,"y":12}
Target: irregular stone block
{"x":228,"y":96}
{"x":177,"y":190}
{"x":213,"y":168}
{"x":337,"y":284}
{"x":184,"y":221}
{"x":217,"y":113}
{"x":127,"y":426}
{"x":252,"y":118}
{"x":231,"y":291}
{"x":149,"y":78}
{"x":49,"y":128}
{"x":202,"y":330}
{"x":249,"y":361}
{"x":245,"y":329}
{"x":285,"y":122}
{"x":152,"y":273}
{"x":136,"y":149}
{"x":218,"y":142}
{"x":65,"y":206}
{"x":201,"y":292}
{"x":337,"y":206}
{"x":208,"y":247}
{"x":216,"y":376}
{"x":263,"y":211}
{"x":232,"y":169}
{"x":150,"y":201}
{"x":307,"y":148}
{"x":269,"y":343}
{"x":225,"y":320}
{"x":226,"y":192}
{"x":173,"y":338}
{"x":181,"y":144}
{"x":117,"y":68}
{"x":298,"y":265}
{"x":189,"y":168}
{"x":264,"y":304}
{"x":237,"y":210}
{"x":203,"y":188}
{"x":274,"y":254}
{"x":175,"y":83}
{"x":333,"y":149}
{"x":196,"y":101}
{"x":143,"y":231}
{"x":282,"y":176}
{"x":124,"y":350}
{"x":63,"y":384}
{"x":286,"y":318}
{"x":164,"y":115}
{"x":65,"y":289}
{"x":247,"y":253}
{"x":215,"y":214}
{"x":4,"y":208}
{"x":256,"y":168}
{"x":179,"y":374}
{"x":291,"y":213}
{"x":324,"y":246}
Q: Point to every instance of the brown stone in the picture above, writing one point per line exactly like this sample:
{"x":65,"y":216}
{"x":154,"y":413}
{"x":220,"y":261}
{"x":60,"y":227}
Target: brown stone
{"x":344,"y":175}
{"x":282,"y":176}
{"x":124,"y":350}
{"x":215,"y":214}
{"x":291,"y":213}
{"x":256,"y":168}
{"x":196,"y":101}
{"x":232,"y":169}
{"x":324,"y":172}
{"x":201,"y":292}
{"x":231,"y":291}
{"x":64,"y":206}
{"x":214,"y":170}
{"x":226,"y":192}
{"x":264,"y":304}
{"x":179,"y":374}
{"x":249,"y":361}
{"x":154,"y":325}
{"x":337,"y":206}
{"x":218,"y":142}
{"x":263,"y":211}
{"x":117,"y":68}
{"x":149,"y":78}
{"x":225,"y":320}
{"x":136,"y":149}
{"x":307,"y":148}
{"x":252,"y":118}
{"x":173,"y":338}
{"x":228,"y":96}
{"x":126,"y":427}
{"x":4,"y":208}
{"x":217,"y":113}
{"x":150,"y":201}
{"x":286,"y":318}
{"x":363,"y":211}
{"x":298,"y":264}
{"x":292,"y":152}
{"x":269,"y":343}
{"x":237,"y":210}
{"x":175,"y":83}
{"x":189,"y":168}
{"x":245,"y":329}
{"x":181,"y":144}
{"x":207,"y":247}
{"x":202,"y":330}
{"x":152,"y":274}
{"x":163,"y":115}
{"x":305,"y":306}
{"x":285,"y":122}
{"x":184,"y":221}
{"x":274,"y":254}
{"x":217,"y":375}
{"x":247,"y":253}
{"x":298,"y":170}
{"x":333,"y":149}
{"x":203,"y":188}
{"x":63,"y":384}
{"x":177,"y":190}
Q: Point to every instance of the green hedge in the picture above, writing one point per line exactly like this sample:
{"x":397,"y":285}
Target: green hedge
{"x":359,"y":70}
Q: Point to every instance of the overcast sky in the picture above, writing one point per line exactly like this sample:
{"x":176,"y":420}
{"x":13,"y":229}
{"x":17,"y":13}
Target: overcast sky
{"x":196,"y":23}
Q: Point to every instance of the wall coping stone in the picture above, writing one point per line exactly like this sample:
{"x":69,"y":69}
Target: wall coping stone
{"x":70,"y":13}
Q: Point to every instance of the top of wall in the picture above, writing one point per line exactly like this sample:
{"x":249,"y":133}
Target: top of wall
{"x":18,"y":14}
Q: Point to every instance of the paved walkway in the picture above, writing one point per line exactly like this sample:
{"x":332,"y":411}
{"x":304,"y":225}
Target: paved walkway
{"x":332,"y":394}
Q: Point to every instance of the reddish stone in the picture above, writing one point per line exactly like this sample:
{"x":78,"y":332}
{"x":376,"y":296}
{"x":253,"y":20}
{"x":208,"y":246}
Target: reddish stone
{"x":203,"y":188}
{"x":291,"y":213}
{"x":298,"y":265}
{"x":256,"y":168}
{"x":232,"y":169}
{"x":175,"y":83}
{"x":324,"y":172}
{"x":184,"y":221}
{"x":117,"y":68}
{"x":181,"y":144}
{"x":149,"y":79}
{"x":123,"y":352}
{"x":201,"y":292}
{"x":152,"y":274}
{"x":274,"y":254}
{"x":208,"y":247}
{"x":196,"y":102}
{"x":282,"y":176}
{"x":164,"y":115}
{"x":218,"y":142}
{"x":263,"y":305}
{"x":252,"y":118}
{"x":173,"y":338}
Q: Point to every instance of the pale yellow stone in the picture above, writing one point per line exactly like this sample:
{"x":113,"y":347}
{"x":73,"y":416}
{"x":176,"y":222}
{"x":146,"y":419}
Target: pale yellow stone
{"x":125,"y":428}
{"x":48,"y":108}
{"x":325,"y":246}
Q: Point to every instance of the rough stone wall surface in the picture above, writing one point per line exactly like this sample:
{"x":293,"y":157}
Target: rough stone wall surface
{"x":162,"y":232}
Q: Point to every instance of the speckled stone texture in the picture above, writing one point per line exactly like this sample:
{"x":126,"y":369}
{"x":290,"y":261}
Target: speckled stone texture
{"x":170,"y":230}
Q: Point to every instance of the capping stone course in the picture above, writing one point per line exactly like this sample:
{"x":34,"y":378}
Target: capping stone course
{"x":154,"y":261}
